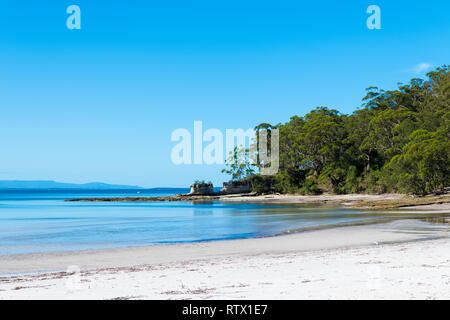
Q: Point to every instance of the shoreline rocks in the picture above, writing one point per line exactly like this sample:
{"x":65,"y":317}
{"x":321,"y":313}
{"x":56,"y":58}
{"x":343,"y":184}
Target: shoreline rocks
{"x":178,"y":197}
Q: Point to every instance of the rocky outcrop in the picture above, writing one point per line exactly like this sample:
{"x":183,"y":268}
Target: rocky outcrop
{"x":202,"y":189}
{"x":235,"y":187}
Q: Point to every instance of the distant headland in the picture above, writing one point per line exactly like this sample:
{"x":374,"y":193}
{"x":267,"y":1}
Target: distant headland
{"x":51,"y":185}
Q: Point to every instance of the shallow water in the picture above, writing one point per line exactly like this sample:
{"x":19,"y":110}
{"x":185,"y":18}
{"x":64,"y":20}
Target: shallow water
{"x":42,"y":221}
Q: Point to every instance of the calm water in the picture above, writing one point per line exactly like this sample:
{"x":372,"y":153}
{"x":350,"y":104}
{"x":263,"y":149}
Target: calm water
{"x":42,"y":221}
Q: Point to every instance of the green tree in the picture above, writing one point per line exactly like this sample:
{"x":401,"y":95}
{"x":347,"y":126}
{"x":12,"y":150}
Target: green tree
{"x":239,"y":164}
{"x":423,"y":167}
{"x":397,"y":141}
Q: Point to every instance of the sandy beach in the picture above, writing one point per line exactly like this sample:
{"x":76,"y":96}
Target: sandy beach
{"x":381,"y":261}
{"x":361,"y":201}
{"x":365,"y":201}
{"x":295,"y":198}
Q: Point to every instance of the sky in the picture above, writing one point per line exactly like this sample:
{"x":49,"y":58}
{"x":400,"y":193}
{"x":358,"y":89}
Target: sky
{"x":100,"y":103}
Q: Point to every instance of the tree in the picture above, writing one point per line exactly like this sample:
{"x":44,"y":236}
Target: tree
{"x":423,"y":167}
{"x":239,"y":164}
{"x":398,"y":141}
{"x":388,"y":131}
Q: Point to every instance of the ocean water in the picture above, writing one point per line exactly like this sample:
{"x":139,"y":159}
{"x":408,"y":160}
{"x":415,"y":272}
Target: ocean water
{"x":38,"y":221}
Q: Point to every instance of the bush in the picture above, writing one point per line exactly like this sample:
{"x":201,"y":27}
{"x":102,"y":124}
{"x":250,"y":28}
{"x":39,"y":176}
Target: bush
{"x":289,"y":181}
{"x":310,"y":187}
{"x":262,"y":184}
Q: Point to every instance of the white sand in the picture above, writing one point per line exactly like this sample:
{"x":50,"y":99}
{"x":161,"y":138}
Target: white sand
{"x":344,"y":263}
{"x":295,"y":198}
{"x":348,"y":200}
{"x":444,"y":207}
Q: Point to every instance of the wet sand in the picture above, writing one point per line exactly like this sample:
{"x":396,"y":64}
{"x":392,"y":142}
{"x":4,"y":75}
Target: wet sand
{"x":297,"y":242}
{"x":334,"y":263}
{"x":362,"y":201}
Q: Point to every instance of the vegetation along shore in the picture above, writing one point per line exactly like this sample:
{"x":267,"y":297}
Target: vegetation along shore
{"x":398,"y":142}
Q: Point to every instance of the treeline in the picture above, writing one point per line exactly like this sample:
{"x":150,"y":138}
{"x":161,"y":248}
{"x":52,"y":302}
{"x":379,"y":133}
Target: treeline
{"x":398,"y":141}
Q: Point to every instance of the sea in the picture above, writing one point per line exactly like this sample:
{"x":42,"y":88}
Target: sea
{"x":41,"y":220}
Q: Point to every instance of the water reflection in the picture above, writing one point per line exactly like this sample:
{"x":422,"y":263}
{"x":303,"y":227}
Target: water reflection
{"x":48,"y":225}
{"x":441,"y":219}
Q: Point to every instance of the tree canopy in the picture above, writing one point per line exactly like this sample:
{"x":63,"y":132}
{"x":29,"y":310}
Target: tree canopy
{"x":397,"y":141}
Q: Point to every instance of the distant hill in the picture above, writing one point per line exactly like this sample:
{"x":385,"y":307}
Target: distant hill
{"x":44,"y":184}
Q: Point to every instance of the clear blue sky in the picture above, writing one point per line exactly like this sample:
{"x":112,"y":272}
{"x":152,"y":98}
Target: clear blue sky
{"x":100,"y":103}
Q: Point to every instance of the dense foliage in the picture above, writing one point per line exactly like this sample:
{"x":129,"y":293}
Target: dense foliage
{"x":239,"y":164}
{"x":398,"y":141}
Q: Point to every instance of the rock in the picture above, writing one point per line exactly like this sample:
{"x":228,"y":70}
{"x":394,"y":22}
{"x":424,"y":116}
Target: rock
{"x":235,"y":187}
{"x":202,"y":188}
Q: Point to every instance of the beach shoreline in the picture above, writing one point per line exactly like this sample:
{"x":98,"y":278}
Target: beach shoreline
{"x":305,"y":239}
{"x":108,"y":269}
{"x":336,"y":262}
{"x":360,"y":201}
